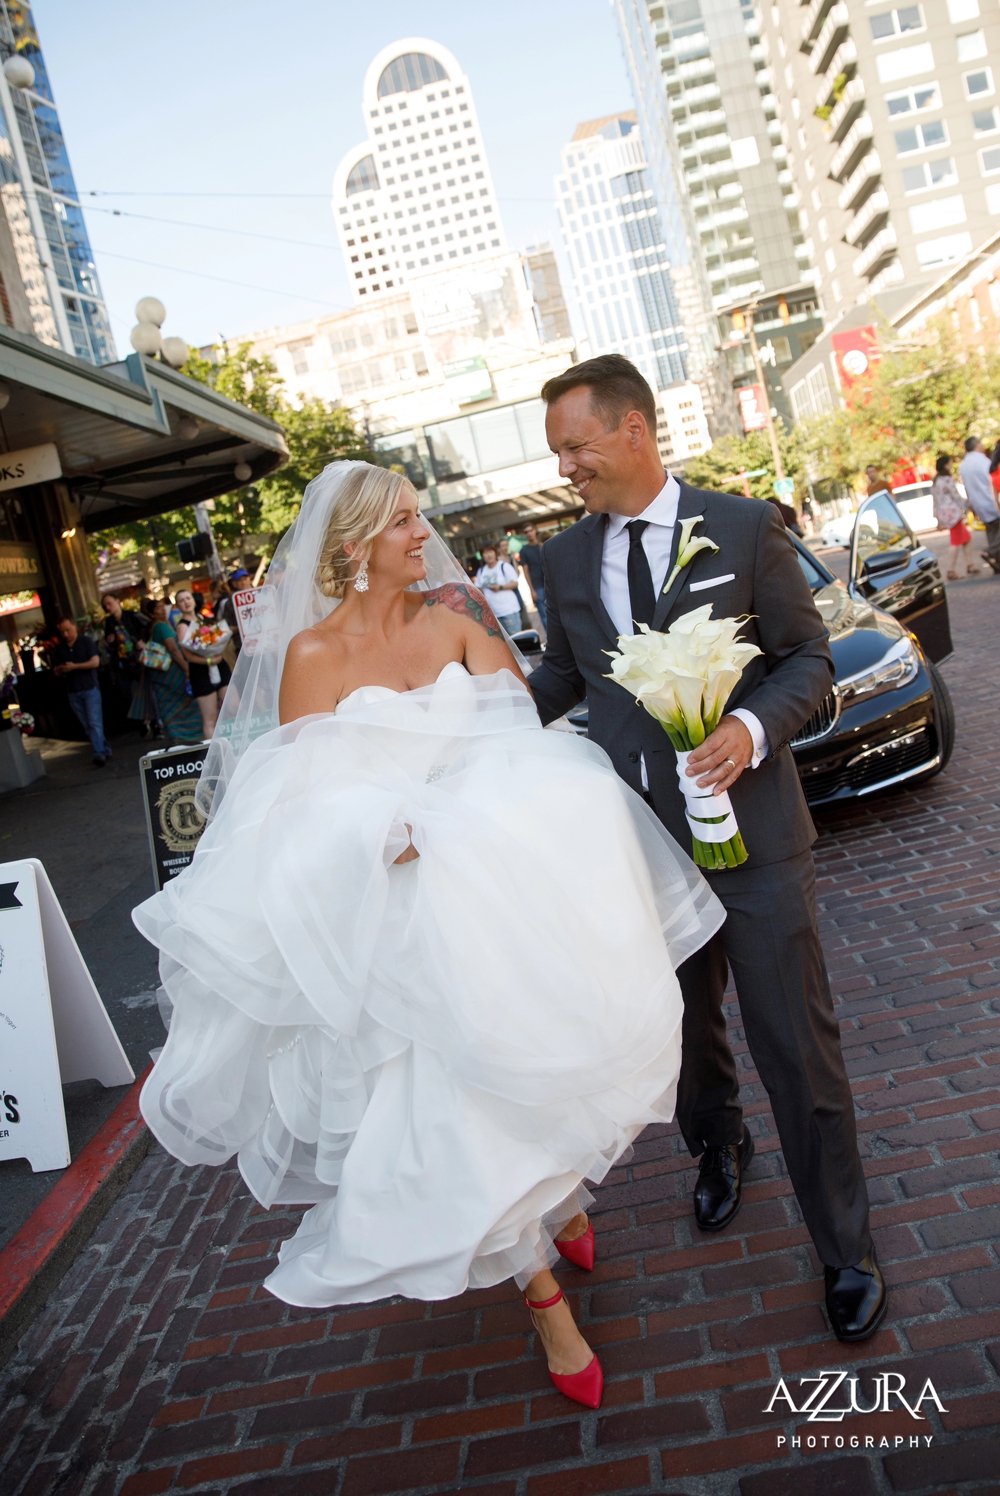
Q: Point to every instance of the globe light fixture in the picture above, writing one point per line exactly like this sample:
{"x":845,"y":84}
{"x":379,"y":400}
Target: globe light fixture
{"x":150,"y":309}
{"x":145,"y":337}
{"x":175,"y":352}
{"x":19,"y":72}
{"x":188,"y":428}
{"x":4,"y":396}
{"x":243,"y":471}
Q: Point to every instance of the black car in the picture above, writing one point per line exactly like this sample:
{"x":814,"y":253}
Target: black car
{"x":888,"y":718}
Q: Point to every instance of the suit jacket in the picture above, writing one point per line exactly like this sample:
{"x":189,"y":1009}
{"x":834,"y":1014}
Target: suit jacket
{"x":782,"y":687}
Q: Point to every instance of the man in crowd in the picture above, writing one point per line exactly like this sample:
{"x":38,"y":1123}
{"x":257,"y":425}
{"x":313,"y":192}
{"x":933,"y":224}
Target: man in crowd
{"x":531,"y":560}
{"x":975,"y":471}
{"x":497,"y":580}
{"x":876,"y":483}
{"x":77,"y":659}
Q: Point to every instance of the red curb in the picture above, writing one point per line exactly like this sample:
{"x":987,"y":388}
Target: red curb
{"x":38,"y":1255}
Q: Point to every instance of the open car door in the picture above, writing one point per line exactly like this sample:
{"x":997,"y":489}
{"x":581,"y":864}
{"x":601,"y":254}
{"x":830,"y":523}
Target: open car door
{"x":890,"y":568}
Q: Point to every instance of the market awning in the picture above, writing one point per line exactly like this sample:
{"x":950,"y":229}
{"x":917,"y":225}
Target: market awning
{"x":117,"y":430}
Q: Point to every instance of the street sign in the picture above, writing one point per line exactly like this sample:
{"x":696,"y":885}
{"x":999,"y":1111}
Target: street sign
{"x":169,"y":779}
{"x":55,"y":1026}
{"x":783,"y":486}
{"x":256,"y":617}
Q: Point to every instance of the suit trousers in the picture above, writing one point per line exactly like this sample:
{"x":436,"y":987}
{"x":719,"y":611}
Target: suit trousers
{"x":771,"y":942}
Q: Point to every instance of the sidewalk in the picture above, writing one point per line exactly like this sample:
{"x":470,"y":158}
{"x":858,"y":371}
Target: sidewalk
{"x":162,"y":1365}
{"x":88,"y":827}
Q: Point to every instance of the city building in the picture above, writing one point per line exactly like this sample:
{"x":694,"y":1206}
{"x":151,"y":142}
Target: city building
{"x":417,"y":194}
{"x":48,"y":281}
{"x":452,"y":334}
{"x":897,"y":137}
{"x":616,"y":249}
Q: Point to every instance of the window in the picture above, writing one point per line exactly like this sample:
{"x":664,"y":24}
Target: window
{"x":882,"y":528}
{"x":978,"y":83}
{"x":985,"y":121}
{"x":929,"y":174}
{"x":971,"y":46}
{"x":904,"y":62}
{"x":962,"y":10}
{"x":928,"y":96}
{"x":943,"y":251}
{"x":921,"y":137}
{"x":939,"y":213}
{"x":897,"y":22}
{"x":989,"y":161}
{"x":993,"y":206}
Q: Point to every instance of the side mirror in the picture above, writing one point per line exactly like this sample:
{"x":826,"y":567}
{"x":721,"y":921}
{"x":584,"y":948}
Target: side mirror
{"x":528,"y":641}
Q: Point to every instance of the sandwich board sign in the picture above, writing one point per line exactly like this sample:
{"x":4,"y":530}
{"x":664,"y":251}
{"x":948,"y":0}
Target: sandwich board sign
{"x":54,"y":1026}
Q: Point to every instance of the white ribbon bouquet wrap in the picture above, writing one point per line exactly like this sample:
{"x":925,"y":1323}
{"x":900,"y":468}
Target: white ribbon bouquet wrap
{"x":684,"y":678}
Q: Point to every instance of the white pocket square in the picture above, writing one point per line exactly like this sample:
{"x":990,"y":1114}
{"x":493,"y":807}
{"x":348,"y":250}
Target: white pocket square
{"x":712,"y":582}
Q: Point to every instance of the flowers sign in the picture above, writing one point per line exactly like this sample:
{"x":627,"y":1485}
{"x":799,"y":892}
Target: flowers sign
{"x":684,"y":678}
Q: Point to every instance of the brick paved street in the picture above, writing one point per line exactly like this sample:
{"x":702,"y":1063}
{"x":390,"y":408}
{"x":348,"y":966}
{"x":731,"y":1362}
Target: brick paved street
{"x":161,"y":1365}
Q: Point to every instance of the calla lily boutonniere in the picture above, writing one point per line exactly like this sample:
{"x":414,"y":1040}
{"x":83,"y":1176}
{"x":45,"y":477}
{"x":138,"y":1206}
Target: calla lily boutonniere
{"x":688,"y":548}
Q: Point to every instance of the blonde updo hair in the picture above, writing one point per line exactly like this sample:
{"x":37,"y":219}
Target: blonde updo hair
{"x":368,"y":498}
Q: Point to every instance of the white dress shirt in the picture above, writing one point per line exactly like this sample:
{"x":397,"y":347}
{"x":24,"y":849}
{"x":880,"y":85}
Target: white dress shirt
{"x":657,"y":539}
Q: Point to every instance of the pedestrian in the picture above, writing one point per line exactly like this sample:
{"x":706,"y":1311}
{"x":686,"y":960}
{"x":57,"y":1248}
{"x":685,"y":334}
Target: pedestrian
{"x":77,"y":659}
{"x":209,"y":678}
{"x":498,"y":581}
{"x":534,"y":570}
{"x":168,"y":670}
{"x":125,"y":631}
{"x":949,"y":511}
{"x":504,"y":553}
{"x":975,"y":473}
{"x":876,"y":483}
{"x":224,"y":611}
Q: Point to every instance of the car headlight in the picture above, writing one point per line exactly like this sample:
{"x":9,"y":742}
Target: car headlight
{"x":894,"y":669}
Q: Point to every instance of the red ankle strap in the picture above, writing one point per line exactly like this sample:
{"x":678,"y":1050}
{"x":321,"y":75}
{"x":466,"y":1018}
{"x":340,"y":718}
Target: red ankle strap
{"x":544,"y":1303}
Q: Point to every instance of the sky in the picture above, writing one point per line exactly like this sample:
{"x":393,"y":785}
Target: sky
{"x":218,"y":129}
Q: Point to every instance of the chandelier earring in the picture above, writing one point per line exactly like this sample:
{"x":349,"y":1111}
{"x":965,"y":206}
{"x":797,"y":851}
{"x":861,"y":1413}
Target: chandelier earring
{"x":361,"y":578}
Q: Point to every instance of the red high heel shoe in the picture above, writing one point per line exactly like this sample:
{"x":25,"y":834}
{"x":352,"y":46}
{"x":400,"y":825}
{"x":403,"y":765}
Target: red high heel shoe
{"x":584,"y":1386}
{"x":579,"y":1252}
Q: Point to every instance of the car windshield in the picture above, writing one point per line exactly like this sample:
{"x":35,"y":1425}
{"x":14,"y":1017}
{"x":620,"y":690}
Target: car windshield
{"x":817,"y":579}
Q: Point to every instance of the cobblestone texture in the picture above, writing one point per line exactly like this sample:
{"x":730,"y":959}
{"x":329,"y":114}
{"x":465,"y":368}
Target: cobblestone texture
{"x":162,"y":1365}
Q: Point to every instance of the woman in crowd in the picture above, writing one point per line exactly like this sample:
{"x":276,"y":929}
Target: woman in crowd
{"x":181,"y":719}
{"x":208,"y":679}
{"x":949,"y":511}
{"x":125,"y":631}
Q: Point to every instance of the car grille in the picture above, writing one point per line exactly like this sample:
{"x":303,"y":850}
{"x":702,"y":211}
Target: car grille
{"x":869,"y":771}
{"x":822,"y":721}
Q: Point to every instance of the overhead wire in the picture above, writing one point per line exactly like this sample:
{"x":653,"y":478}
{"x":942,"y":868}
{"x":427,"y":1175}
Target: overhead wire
{"x":222,"y":279}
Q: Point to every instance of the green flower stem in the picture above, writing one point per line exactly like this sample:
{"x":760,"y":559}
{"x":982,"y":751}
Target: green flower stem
{"x":714,"y":856}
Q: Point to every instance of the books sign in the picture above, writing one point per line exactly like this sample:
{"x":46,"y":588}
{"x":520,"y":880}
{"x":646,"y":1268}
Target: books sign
{"x":30,"y":465}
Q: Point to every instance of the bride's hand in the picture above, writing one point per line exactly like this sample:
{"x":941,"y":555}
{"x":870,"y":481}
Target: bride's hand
{"x":411,"y":852}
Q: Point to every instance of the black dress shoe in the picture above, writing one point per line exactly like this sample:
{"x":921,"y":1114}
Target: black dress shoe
{"x":718,"y":1193}
{"x":856,"y":1299}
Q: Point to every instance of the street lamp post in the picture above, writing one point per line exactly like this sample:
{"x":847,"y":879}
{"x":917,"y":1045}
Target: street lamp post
{"x":779,"y":471}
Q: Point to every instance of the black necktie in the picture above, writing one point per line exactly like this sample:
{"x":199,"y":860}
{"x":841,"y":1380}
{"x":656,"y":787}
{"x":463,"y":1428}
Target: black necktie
{"x":642,"y":595}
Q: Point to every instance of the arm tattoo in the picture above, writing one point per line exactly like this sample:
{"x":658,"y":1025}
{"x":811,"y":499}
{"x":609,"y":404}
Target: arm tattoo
{"x":468,"y":602}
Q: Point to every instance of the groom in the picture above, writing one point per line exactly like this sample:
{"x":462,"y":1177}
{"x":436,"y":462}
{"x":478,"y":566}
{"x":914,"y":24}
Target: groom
{"x":600,"y":575}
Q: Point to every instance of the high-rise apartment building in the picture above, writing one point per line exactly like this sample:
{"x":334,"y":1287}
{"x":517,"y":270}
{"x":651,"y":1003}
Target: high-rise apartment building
{"x":417,"y":195}
{"x":897,"y":136}
{"x":48,"y":281}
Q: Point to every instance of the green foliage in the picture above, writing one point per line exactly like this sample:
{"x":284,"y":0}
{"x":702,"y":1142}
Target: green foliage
{"x":752,"y":451}
{"x":917,"y":401}
{"x":316,"y":434}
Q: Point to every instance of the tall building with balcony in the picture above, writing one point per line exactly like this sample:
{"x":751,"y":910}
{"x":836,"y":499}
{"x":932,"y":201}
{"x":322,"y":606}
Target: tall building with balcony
{"x":897,"y":137}
{"x":48,"y":280}
{"x":417,"y":196}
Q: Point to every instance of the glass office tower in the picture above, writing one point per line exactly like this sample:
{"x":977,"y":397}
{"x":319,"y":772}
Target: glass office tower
{"x":48,"y":280}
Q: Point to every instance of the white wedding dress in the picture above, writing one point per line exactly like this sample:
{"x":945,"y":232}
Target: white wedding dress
{"x":434,"y":1055}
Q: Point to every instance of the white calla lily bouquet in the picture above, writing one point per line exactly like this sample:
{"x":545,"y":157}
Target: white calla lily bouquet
{"x":684,"y":678}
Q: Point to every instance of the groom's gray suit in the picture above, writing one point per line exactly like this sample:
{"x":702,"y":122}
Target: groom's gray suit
{"x":770,"y":938}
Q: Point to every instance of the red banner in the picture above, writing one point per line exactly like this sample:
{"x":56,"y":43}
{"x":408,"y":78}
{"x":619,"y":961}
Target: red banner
{"x":752,"y":407}
{"x":855,"y":351}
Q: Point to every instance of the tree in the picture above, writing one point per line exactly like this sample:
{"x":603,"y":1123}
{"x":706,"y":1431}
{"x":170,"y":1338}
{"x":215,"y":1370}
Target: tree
{"x":750,"y":452}
{"x":316,"y":433}
{"x":916,"y":401}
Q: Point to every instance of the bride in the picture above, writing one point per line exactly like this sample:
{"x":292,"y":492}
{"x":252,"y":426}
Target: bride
{"x":421,"y":968}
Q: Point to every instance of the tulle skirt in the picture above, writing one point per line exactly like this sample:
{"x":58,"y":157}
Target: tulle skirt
{"x":433,"y":1055}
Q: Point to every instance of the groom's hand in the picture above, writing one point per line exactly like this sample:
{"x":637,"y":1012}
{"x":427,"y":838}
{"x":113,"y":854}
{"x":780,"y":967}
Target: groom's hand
{"x":723,"y":755}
